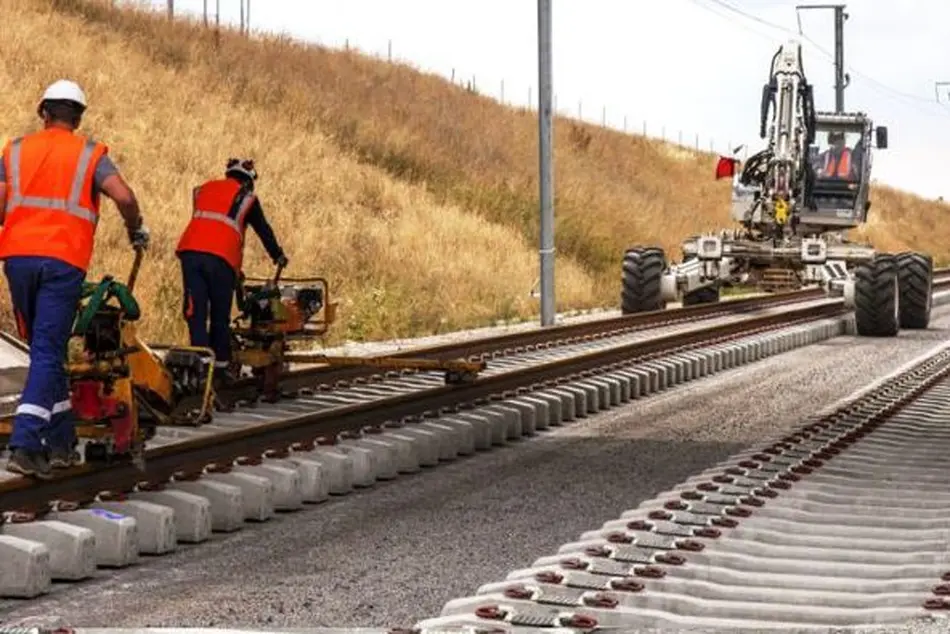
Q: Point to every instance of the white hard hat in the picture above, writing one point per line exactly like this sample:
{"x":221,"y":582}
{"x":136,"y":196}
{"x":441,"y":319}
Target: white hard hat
{"x":65,"y":90}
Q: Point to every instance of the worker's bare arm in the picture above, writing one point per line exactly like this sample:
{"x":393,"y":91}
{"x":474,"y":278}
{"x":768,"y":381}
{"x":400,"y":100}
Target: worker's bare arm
{"x":115,"y":187}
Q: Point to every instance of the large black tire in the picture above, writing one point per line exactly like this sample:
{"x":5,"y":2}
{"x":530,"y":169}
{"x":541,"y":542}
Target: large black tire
{"x":915,"y":275}
{"x":877,"y":298}
{"x":642,"y":271}
{"x":707,"y":295}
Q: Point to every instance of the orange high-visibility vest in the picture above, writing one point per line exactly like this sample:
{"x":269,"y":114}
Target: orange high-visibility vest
{"x":842,"y":169}
{"x":50,"y":207}
{"x":218,"y":221}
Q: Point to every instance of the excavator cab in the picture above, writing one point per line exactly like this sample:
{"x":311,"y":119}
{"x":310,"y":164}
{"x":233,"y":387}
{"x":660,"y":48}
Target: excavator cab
{"x":838,"y":171}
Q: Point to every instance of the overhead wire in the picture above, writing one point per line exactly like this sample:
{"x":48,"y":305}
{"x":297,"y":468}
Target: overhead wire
{"x":913,"y":100}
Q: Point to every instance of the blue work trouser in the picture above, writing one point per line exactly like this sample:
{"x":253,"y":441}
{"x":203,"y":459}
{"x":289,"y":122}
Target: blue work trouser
{"x":45,"y":293}
{"x":209,"y":283}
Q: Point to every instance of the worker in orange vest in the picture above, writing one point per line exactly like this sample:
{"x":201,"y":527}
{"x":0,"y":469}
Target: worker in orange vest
{"x":836,"y":162}
{"x":211,"y":251}
{"x":51,"y":186}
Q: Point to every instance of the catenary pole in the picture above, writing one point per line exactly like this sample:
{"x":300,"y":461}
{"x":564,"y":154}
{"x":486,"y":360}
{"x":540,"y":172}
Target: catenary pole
{"x":545,"y":160}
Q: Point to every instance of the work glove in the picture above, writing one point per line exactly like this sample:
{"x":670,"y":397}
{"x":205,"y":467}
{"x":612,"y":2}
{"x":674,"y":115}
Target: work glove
{"x":281,"y":261}
{"x":139,"y":237}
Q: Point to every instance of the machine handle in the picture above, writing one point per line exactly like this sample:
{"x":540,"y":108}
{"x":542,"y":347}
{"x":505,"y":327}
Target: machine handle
{"x":280,"y":269}
{"x":139,"y":253}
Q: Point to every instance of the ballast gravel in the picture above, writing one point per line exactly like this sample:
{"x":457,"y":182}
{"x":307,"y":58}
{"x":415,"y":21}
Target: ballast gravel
{"x":394,"y":554}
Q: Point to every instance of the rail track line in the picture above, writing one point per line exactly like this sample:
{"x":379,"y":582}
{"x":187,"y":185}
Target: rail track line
{"x":840,"y":524}
{"x":15,"y":351}
{"x":508,"y":352}
{"x":245,"y":470}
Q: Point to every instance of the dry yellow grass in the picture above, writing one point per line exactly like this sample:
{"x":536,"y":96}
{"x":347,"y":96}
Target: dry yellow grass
{"x":416,"y":198}
{"x":401,"y":261}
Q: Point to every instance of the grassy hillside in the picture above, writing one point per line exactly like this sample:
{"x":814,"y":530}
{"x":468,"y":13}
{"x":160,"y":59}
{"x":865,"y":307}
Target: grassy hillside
{"x":415,"y":197}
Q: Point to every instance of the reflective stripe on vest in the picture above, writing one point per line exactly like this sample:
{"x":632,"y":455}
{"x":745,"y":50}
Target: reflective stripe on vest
{"x":219,"y":212}
{"x":69,"y":205}
{"x":237,"y":222}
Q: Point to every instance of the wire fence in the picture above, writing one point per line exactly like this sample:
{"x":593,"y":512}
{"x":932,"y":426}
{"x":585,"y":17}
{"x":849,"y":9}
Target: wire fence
{"x":526,"y":99}
{"x":520,"y":97}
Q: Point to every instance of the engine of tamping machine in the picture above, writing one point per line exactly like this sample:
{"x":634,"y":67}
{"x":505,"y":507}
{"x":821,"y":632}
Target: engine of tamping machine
{"x":120,"y":389}
{"x":272,"y":314}
{"x":100,"y":380}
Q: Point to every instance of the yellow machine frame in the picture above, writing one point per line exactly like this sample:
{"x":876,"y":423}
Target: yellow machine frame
{"x":132,"y":379}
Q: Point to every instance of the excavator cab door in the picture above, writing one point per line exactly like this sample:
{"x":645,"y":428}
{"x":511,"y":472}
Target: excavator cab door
{"x":837,"y":180}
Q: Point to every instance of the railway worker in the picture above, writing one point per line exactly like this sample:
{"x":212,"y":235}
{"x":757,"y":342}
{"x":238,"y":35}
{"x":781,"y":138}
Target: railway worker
{"x":836,"y":162}
{"x":211,"y":254}
{"x":51,"y":185}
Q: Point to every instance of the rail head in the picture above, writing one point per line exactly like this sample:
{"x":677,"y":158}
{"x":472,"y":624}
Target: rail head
{"x":81,"y":484}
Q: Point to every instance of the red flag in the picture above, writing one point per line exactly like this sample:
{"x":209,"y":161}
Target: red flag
{"x":726,"y":167}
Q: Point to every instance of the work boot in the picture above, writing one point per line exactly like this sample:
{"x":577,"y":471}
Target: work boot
{"x":64,"y":458}
{"x":29,"y":463}
{"x":223,"y":380}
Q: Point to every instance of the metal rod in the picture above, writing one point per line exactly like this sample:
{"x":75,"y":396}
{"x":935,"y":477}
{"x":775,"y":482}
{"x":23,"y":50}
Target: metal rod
{"x":546,"y":171}
{"x":841,"y":78}
{"x":839,"y":58}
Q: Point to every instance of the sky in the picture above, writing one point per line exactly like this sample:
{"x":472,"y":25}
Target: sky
{"x":683,"y":66}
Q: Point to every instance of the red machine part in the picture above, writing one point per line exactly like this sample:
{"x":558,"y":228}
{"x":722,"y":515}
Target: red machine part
{"x":91,"y":406}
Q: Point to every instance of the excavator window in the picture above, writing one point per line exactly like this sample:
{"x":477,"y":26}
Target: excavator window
{"x":836,"y":163}
{"x":839,"y":156}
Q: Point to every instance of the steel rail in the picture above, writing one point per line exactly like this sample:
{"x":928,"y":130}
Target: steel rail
{"x":499,"y":345}
{"x":188,"y":458}
{"x":488,"y":347}
{"x":493,"y":346}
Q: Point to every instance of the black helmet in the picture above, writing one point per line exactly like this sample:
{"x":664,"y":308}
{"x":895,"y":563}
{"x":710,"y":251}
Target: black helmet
{"x":242,"y":167}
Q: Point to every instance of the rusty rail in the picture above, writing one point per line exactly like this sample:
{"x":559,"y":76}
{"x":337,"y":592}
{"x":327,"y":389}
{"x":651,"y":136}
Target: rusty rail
{"x":483,"y":348}
{"x":83,"y":483}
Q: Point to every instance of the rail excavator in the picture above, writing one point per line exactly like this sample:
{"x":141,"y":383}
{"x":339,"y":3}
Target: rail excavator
{"x":793,"y":215}
{"x":122,"y":389}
